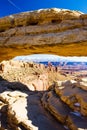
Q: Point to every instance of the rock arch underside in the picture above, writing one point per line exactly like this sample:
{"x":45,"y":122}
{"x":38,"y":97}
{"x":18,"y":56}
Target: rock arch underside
{"x":53,"y":31}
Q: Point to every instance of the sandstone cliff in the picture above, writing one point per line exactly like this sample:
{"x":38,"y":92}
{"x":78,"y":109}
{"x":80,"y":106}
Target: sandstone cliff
{"x":56,"y":31}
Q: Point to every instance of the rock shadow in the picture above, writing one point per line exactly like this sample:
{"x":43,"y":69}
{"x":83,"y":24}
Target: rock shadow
{"x":39,"y":116}
{"x":12,"y":86}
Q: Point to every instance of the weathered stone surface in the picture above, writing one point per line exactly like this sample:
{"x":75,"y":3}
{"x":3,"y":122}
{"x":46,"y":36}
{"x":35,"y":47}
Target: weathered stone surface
{"x":38,"y":17}
{"x":83,"y":83}
{"x":72,"y":93}
{"x":24,"y":111}
{"x":55,"y":106}
{"x":26,"y":33}
{"x":37,"y":82}
{"x":32,"y":96}
{"x":17,"y":113}
{"x":68,"y":94}
{"x":41,"y":83}
{"x":76,"y":123}
{"x":56,"y":28}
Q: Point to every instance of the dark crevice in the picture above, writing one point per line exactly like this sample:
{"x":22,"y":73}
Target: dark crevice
{"x":56,"y":21}
{"x":19,"y":25}
{"x":2,"y":30}
{"x":21,"y":126}
{"x":32,"y":23}
{"x":4,"y":122}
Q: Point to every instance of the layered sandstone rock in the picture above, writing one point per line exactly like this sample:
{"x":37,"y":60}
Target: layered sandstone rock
{"x":71,"y":93}
{"x":26,"y":33}
{"x":34,"y":76}
{"x":67,"y":92}
{"x":51,"y":26}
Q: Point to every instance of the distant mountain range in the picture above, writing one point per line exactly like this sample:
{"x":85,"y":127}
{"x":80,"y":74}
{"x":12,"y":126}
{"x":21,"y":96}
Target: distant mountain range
{"x":45,"y":58}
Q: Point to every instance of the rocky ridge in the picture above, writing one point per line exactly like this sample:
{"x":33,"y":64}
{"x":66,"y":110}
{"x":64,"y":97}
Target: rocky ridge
{"x":45,"y":103}
{"x":39,"y":31}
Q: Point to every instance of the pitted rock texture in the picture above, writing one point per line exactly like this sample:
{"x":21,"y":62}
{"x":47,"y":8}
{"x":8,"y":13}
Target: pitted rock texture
{"x":55,"y":31}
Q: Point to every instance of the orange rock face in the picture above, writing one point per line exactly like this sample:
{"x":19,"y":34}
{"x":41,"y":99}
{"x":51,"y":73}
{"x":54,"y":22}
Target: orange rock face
{"x":54,"y":31}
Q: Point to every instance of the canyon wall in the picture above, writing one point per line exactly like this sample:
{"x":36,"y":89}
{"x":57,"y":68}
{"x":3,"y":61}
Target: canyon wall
{"x":34,"y":98}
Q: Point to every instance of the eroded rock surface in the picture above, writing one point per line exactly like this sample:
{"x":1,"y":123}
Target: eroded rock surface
{"x":22,"y":85}
{"x":33,"y":98}
{"x":60,"y":102}
{"x":39,"y":31}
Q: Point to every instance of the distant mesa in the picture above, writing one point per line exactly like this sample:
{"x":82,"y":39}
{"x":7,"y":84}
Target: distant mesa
{"x":50,"y":58}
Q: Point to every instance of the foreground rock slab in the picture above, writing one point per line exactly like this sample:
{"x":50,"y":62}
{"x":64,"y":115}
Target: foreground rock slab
{"x":25,"y":112}
{"x":60,"y":103}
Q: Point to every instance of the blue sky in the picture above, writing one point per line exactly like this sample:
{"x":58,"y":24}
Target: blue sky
{"x":8,"y":7}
